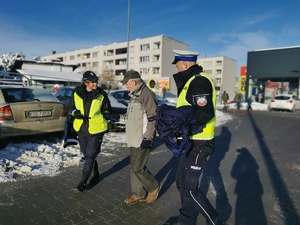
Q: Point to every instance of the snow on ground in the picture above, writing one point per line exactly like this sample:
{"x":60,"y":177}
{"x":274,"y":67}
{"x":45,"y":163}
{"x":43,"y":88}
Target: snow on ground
{"x":46,"y":158}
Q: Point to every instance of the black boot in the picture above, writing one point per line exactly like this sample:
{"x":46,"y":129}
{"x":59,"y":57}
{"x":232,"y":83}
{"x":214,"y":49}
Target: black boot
{"x":82,"y":183}
{"x":95,"y":176}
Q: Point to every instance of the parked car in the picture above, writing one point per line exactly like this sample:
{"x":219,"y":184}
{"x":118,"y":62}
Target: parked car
{"x":28,"y":111}
{"x":287,"y":102}
{"x":171,"y":97}
{"x":123,"y":97}
{"x":117,"y":122}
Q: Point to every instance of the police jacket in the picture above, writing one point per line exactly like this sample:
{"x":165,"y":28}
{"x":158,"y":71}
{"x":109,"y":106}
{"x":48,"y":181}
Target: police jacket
{"x":199,"y":87}
{"x":93,"y":105}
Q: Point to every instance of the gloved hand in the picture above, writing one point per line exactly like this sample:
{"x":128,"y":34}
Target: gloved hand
{"x":146,"y":144}
{"x":77,"y":114}
{"x":106,"y":115}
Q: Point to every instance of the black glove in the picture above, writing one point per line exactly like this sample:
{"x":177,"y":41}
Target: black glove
{"x":106,"y":115}
{"x":146,"y":144}
{"x":77,"y":114}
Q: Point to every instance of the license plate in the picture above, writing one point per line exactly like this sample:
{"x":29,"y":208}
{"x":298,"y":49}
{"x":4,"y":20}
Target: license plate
{"x":35,"y":114}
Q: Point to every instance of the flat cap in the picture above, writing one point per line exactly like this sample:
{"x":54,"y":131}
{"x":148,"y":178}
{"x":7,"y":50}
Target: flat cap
{"x":183,"y":55}
{"x":90,"y":75}
{"x":131,"y":74}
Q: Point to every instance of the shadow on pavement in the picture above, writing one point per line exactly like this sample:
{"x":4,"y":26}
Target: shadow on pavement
{"x":212,"y":174}
{"x":287,"y":208}
{"x":248,"y":189}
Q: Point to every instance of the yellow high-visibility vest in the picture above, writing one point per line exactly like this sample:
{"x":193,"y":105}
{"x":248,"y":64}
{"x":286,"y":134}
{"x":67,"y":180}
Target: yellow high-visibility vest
{"x":97,"y":123}
{"x":209,"y":131}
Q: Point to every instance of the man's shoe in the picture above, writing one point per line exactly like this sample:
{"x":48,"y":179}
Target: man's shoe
{"x":152,"y":196}
{"x":134,"y":199}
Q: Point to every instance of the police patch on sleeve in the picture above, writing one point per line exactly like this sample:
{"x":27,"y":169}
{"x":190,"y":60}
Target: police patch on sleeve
{"x":200,"y":100}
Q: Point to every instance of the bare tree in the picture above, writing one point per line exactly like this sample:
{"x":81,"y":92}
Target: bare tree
{"x":108,"y":77}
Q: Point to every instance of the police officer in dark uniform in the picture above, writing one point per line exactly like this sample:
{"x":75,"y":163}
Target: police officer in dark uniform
{"x":195,"y":89}
{"x":90,"y":108}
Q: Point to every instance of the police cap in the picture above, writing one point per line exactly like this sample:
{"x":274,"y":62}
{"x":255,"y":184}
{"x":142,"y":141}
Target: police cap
{"x":183,"y":55}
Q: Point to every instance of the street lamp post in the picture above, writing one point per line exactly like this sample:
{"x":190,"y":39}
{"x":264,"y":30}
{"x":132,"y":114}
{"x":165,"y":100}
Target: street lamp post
{"x":128,"y":35}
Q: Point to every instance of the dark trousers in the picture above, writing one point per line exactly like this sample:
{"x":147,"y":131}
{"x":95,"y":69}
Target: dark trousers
{"x":193,"y":201}
{"x":142,"y":180}
{"x":90,"y":146}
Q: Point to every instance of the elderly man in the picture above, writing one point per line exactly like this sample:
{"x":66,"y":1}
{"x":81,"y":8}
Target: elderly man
{"x":140,"y":132}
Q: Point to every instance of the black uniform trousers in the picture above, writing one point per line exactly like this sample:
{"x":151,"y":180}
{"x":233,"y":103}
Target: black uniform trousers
{"x":193,"y":201}
{"x":90,"y":146}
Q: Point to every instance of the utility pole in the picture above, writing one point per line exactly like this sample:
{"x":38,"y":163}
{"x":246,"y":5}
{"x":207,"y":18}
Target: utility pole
{"x":128,"y":36}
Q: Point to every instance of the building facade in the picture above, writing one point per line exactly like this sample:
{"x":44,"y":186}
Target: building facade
{"x":273,"y":71}
{"x":145,"y":56}
{"x":222,"y":70}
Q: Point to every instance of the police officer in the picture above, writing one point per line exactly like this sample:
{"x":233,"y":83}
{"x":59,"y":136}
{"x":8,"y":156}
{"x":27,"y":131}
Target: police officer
{"x":197,"y":90}
{"x":90,"y":108}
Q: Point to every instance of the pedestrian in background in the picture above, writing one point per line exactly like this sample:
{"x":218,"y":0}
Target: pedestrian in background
{"x":197,"y":92}
{"x":225,"y":98}
{"x":90,"y":108}
{"x":140,"y":133}
{"x":249,"y":101}
{"x":238,"y":100}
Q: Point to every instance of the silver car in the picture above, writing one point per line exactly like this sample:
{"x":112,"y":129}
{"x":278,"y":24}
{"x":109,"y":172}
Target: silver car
{"x":29,"y":111}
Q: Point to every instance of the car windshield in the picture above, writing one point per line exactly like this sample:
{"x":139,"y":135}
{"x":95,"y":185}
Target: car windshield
{"x":27,"y":94}
{"x":282,"y":97}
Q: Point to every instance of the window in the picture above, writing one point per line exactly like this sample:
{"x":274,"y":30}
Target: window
{"x":110,"y":52}
{"x":132,"y":60}
{"x":208,"y":72}
{"x":218,"y":71}
{"x":121,"y":62}
{"x":145,"y":47}
{"x":95,"y":64}
{"x":95,"y":54}
{"x":144,"y":70}
{"x":156,"y":58}
{"x":72,"y":57}
{"x":78,"y":56}
{"x":156,"y":45}
{"x":208,"y":63}
{"x":219,"y":63}
{"x":131,"y":49}
{"x":86,"y":56}
{"x":156,"y":70}
{"x":144,"y":59}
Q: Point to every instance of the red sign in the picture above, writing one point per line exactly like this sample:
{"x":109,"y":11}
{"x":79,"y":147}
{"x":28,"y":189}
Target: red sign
{"x":243,"y":71}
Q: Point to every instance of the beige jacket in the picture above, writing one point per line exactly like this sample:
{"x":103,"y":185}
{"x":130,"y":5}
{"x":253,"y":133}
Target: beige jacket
{"x":141,"y":111}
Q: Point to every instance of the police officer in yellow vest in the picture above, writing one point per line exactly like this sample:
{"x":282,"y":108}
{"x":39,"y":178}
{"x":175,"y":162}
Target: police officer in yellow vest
{"x":90,"y":108}
{"x":195,"y":89}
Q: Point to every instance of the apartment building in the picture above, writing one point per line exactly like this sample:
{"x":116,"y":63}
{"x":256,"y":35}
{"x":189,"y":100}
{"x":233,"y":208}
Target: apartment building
{"x":151,"y":56}
{"x":222,"y":70}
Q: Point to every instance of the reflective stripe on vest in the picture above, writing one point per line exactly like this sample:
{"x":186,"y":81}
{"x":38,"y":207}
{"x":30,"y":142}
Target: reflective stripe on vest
{"x":97,"y":123}
{"x":209,"y":131}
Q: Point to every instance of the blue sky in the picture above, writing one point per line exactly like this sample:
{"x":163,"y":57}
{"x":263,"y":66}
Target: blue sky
{"x":212,"y":28}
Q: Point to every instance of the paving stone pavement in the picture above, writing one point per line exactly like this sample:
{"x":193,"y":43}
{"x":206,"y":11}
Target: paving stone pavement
{"x":252,"y":179}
